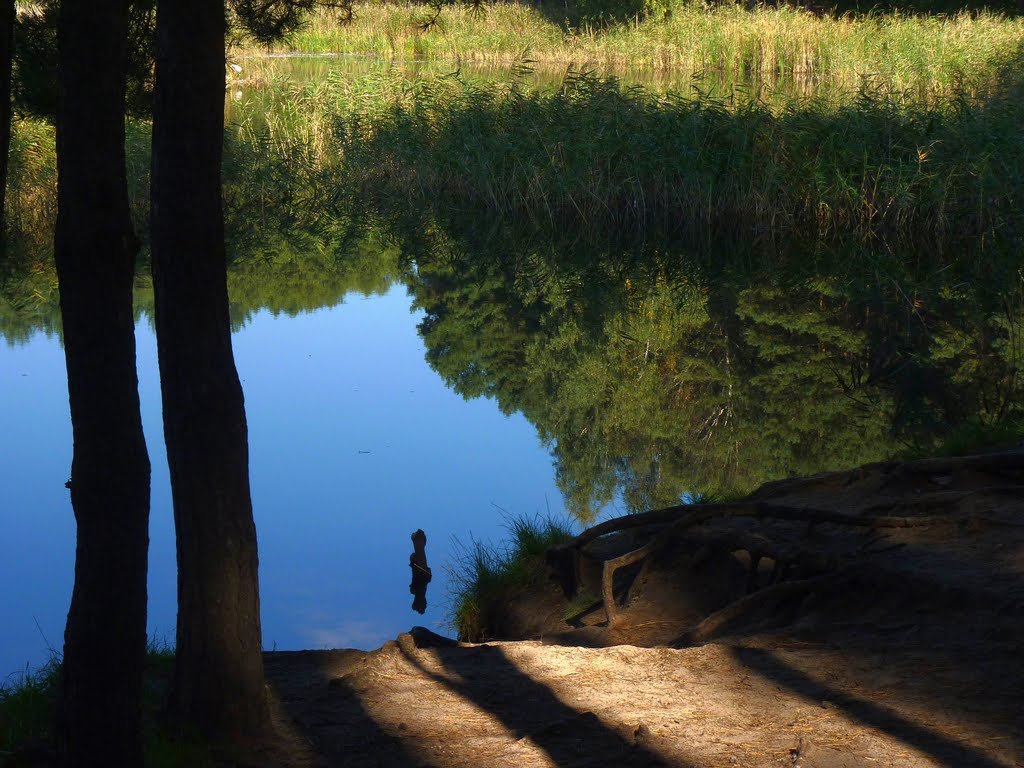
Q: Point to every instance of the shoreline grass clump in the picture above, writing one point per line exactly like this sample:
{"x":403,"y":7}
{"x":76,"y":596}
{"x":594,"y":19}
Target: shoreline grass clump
{"x":901,"y":50}
{"x":28,"y":706}
{"x":28,"y":711}
{"x":484,"y":577}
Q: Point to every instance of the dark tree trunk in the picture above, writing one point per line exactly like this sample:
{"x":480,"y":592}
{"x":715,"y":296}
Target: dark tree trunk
{"x":218,"y":682}
{"x":100,"y":712}
{"x":7,"y":17}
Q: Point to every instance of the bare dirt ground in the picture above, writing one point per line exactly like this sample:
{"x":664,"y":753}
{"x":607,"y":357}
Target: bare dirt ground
{"x":755,"y":636}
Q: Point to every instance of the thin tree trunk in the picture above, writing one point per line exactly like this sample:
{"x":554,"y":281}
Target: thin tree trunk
{"x":218,"y":681}
{"x":100,"y":711}
{"x":7,"y":18}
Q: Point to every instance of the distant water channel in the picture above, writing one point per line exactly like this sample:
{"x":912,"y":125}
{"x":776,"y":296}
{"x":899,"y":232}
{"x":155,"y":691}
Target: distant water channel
{"x":447,"y":375}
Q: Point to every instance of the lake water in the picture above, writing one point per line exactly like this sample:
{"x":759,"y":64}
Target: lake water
{"x":355,"y":442}
{"x":446,"y":377}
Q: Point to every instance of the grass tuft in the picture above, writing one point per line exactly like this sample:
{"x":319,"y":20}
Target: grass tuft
{"x":28,"y":706}
{"x":484,"y":577}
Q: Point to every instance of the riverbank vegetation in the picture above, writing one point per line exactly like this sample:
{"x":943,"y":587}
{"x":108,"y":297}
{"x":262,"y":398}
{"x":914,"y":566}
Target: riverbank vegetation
{"x":657,"y":269}
{"x":484,"y":578}
{"x":880,"y":164}
{"x":873,"y":163}
{"x":28,"y":703}
{"x":901,"y":50}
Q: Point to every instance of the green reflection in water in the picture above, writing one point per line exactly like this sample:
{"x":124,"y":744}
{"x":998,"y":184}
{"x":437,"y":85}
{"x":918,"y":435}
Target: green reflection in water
{"x":658,"y":369}
{"x":654,"y":366}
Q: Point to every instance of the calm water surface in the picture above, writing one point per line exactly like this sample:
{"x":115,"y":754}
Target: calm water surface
{"x":481,"y":370}
{"x":355,"y":442}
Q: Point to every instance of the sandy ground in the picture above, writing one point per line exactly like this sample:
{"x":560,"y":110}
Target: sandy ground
{"x":916,"y":660}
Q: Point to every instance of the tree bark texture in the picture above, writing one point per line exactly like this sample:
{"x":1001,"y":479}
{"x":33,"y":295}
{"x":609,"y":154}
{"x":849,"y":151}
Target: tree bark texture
{"x":7,"y":18}
{"x":100,"y":710}
{"x":218,"y":682}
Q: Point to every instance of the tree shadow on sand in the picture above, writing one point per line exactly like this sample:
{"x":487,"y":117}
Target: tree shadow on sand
{"x":529,"y":709}
{"x":871,"y":714}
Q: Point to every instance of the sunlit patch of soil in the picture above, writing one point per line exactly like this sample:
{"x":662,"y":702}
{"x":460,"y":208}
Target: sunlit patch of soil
{"x":910,"y":659}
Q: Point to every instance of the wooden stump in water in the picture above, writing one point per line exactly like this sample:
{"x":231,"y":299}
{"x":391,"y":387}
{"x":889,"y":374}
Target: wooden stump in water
{"x":420,"y":571}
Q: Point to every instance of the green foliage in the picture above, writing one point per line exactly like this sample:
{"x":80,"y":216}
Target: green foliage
{"x":578,"y":260}
{"x":483,"y":577}
{"x":34,"y":82}
{"x":268,"y":21}
{"x":290,"y":251}
{"x":598,"y":13}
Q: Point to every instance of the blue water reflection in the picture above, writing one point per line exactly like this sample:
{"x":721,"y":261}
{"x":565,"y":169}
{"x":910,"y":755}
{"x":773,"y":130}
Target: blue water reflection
{"x":355,"y":442}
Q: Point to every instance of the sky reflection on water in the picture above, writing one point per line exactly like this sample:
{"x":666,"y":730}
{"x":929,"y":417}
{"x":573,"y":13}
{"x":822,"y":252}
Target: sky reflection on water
{"x":354,"y":443}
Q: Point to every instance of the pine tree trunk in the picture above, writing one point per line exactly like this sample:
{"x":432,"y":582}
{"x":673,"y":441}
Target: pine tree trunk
{"x":218,"y":683}
{"x":7,"y":18}
{"x":100,"y":711}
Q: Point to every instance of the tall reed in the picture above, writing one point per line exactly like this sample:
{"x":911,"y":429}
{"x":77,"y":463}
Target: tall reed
{"x":884,"y":163}
{"x":903,"y":51}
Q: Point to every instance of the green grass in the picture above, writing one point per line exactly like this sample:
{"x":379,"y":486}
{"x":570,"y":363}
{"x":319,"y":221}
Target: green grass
{"x":32,"y":183}
{"x":28,"y":703}
{"x":879,"y":164}
{"x":483,"y":577}
{"x":580,"y":604}
{"x":902,"y":51}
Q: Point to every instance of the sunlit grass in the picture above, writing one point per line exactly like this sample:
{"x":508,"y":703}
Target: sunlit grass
{"x":32,"y":180}
{"x":483,"y":577}
{"x":901,"y":51}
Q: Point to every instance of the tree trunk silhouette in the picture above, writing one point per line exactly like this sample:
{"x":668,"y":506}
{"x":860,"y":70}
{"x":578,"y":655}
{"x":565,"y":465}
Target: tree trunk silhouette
{"x":7,"y":18}
{"x":100,"y":710}
{"x":218,"y":680}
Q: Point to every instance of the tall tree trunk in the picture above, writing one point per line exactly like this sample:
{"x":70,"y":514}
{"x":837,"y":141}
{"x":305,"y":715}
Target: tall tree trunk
{"x":218,"y":681}
{"x":7,"y":18}
{"x":100,"y":712}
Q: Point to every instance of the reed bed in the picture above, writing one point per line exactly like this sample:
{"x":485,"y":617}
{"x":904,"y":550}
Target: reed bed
{"x":592,"y":154}
{"x":32,"y":179}
{"x":901,"y":51}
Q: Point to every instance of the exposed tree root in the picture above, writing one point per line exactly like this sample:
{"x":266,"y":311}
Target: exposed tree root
{"x":685,"y":515}
{"x":566,"y":558}
{"x":761,"y":602}
{"x":575,"y":560}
